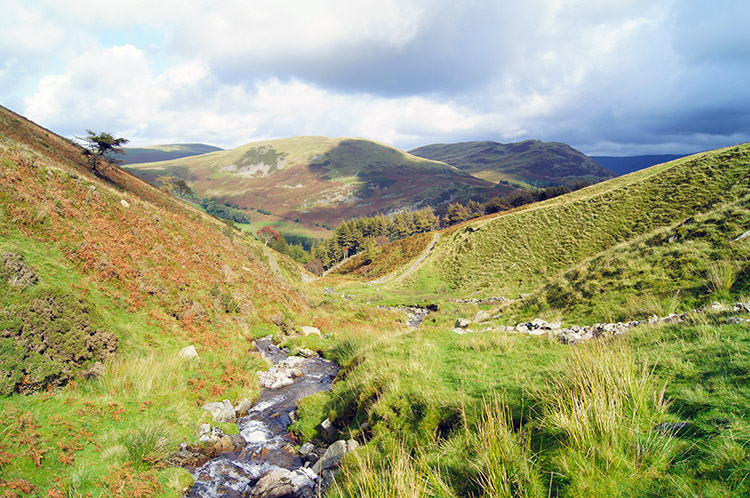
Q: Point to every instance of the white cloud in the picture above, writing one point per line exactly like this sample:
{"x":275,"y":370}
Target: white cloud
{"x":405,"y":72}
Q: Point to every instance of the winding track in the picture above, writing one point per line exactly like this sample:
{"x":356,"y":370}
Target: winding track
{"x":413,"y":266}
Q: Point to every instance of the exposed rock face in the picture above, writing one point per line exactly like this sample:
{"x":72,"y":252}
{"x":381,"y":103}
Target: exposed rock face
{"x":221,"y":411}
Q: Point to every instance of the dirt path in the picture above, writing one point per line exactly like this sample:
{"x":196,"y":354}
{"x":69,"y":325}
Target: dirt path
{"x":413,"y":266}
{"x":272,"y":261}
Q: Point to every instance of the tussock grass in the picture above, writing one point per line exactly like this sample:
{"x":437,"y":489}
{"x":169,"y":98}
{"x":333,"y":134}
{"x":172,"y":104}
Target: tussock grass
{"x":396,"y":474}
{"x":143,"y":376}
{"x":505,"y":458}
{"x":721,"y":275}
{"x":147,"y":445}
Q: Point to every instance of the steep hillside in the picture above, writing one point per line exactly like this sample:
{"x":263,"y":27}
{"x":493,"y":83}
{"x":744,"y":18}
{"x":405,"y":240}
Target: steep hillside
{"x":622,"y":165}
{"x":519,"y":250}
{"x":319,"y":180}
{"x":164,"y":152}
{"x":531,"y":161}
{"x":103,"y":279}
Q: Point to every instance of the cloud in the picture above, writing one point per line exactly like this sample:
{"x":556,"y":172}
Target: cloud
{"x":626,"y":74}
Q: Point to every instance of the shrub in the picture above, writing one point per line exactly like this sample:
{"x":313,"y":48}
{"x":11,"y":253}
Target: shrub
{"x":45,"y":339}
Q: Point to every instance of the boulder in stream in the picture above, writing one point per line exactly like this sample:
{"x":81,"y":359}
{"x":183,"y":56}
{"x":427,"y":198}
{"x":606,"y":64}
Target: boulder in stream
{"x":334,"y":454}
{"x":283,"y":483}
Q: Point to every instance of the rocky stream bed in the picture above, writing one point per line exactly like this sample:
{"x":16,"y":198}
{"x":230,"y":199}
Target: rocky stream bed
{"x":263,"y":460}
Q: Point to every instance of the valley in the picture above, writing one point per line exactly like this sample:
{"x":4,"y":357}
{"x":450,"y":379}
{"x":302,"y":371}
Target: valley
{"x":594,"y":343}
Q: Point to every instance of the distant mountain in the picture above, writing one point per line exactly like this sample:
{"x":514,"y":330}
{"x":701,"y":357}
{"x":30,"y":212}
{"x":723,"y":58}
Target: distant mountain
{"x":531,"y":161}
{"x":320,"y":180}
{"x":627,"y":164}
{"x":154,"y":153}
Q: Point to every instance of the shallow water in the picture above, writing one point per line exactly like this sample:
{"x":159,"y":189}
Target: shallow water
{"x":264,"y":430}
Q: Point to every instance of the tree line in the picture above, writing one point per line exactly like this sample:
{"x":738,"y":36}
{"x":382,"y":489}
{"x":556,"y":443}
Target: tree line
{"x":371,"y":232}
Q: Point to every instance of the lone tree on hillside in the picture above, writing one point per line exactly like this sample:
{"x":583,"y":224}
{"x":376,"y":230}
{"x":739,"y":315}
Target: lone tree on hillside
{"x":267,"y":234}
{"x":102,"y":147}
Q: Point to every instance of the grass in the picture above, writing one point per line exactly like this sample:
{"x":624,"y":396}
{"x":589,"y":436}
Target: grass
{"x":515,"y":252}
{"x":549,"y":420}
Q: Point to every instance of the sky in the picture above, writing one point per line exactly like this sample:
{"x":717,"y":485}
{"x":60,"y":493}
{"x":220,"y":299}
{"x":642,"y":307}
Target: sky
{"x":609,"y":77}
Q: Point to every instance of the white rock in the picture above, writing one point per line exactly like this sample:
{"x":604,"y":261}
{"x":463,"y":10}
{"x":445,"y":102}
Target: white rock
{"x":124,"y":203}
{"x":221,"y":411}
{"x":292,"y":362}
{"x":306,"y":330}
{"x":188,"y":353}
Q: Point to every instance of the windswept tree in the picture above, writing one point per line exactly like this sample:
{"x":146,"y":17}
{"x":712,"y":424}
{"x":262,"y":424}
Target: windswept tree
{"x":103,"y":148}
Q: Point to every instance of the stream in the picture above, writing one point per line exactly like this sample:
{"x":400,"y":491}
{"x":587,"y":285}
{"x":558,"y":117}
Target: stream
{"x":264,"y":430}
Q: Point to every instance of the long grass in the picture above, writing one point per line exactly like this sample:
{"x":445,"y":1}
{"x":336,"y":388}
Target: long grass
{"x":505,"y":458}
{"x":143,"y":376}
{"x":603,"y":410}
{"x":395,"y":474}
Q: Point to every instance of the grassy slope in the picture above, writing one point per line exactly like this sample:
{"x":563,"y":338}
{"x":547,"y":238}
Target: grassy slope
{"x":501,"y":415}
{"x":164,"y":152}
{"x":160,"y":276}
{"x":531,"y":161}
{"x":319,"y":179}
{"x":518,"y":251}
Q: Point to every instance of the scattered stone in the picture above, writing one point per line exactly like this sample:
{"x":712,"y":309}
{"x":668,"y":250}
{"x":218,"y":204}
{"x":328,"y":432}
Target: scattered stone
{"x":746,"y":234}
{"x":328,"y":290}
{"x":482,"y":316}
{"x":487,"y":300}
{"x":229,"y":444}
{"x":307,"y":330}
{"x":221,"y":411}
{"x":334,"y":454}
{"x":461,"y":331}
{"x":328,"y":430}
{"x":124,"y":203}
{"x":188,"y":353}
{"x":292,"y":362}
{"x":293,"y":417}
{"x":462,"y":323}
{"x":276,"y":483}
{"x":243,"y":407}
{"x":306,"y":448}
{"x":277,"y":377}
{"x":307,"y":353}
{"x":733,"y":320}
